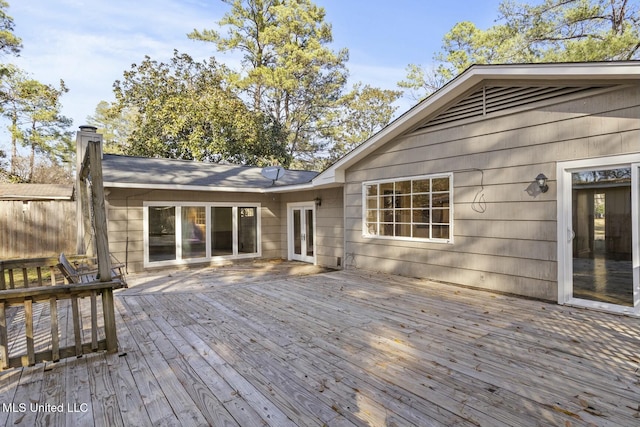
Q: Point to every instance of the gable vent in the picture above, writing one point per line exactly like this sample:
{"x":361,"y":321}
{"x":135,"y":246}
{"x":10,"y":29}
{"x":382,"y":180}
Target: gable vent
{"x":491,"y":99}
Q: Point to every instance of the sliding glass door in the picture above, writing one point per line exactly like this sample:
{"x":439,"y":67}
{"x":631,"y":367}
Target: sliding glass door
{"x":176,"y":233}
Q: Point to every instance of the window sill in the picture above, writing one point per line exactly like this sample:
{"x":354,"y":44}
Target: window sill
{"x":408,"y":239}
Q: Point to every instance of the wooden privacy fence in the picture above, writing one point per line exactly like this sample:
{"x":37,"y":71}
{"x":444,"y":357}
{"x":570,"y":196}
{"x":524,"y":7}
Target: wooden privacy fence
{"x":37,"y":228}
{"x":27,"y":283}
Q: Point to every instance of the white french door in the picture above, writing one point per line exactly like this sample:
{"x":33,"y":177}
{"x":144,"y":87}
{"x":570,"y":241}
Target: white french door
{"x":301,"y":231}
{"x":598,"y":229}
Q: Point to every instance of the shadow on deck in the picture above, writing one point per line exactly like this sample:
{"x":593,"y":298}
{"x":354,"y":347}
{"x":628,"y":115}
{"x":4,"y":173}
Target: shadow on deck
{"x":284,"y":344}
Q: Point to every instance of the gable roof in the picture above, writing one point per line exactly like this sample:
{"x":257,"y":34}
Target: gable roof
{"x":540,"y":79}
{"x":171,"y":174}
{"x":28,"y":192}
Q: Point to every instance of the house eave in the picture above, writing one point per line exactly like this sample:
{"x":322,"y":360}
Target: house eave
{"x":182,"y":187}
{"x":212,"y":189}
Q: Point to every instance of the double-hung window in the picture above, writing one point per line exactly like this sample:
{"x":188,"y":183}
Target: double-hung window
{"x":414,"y":208}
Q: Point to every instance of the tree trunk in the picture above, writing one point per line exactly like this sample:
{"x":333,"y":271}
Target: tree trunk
{"x":14,"y":143}
{"x":32,"y":157}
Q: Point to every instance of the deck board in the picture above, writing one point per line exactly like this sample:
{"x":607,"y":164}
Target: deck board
{"x":240,"y":346}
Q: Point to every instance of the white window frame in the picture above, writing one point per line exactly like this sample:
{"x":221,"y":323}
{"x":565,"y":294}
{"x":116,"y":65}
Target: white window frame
{"x":368,"y":235}
{"x":178,"y":232}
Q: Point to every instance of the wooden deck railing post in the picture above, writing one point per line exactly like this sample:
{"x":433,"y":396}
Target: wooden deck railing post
{"x":94,"y":321}
{"x":55,"y":339}
{"x":77,"y":332}
{"x":4,"y":349}
{"x":102,"y":243}
{"x":28,"y":321}
{"x":109,"y":321}
{"x":99,"y":212}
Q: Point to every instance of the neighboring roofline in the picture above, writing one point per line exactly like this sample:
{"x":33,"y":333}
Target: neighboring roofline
{"x":623,"y":70}
{"x":16,"y":197}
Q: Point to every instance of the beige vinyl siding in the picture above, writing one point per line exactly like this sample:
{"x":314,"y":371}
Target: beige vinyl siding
{"x":329,"y":224}
{"x":511,"y":246}
{"x":125,"y":229}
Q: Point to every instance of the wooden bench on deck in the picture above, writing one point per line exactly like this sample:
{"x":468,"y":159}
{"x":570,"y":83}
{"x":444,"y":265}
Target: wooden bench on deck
{"x":82,"y":272}
{"x":26,"y":292}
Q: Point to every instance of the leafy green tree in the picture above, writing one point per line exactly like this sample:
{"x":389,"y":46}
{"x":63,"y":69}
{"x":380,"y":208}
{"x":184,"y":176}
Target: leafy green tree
{"x":46,"y":130}
{"x":33,"y":111}
{"x":185,"y":109}
{"x":9,"y":42}
{"x":551,"y":31}
{"x":422,"y":81}
{"x":4,"y":175}
{"x":363,"y":111}
{"x":289,"y":73}
{"x":11,"y":92}
{"x":116,"y":125}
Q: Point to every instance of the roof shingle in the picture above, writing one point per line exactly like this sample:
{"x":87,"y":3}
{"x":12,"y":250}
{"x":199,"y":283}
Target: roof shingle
{"x":122,"y":170}
{"x":36,"y":191}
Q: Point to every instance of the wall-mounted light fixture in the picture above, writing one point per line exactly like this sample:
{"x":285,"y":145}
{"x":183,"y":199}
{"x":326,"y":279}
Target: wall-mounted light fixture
{"x":318,"y":201}
{"x":541,"y":179}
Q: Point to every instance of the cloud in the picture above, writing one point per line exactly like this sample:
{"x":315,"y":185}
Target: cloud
{"x":89,"y":44}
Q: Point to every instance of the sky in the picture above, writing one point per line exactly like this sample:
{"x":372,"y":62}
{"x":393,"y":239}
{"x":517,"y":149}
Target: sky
{"x":90,"y":43}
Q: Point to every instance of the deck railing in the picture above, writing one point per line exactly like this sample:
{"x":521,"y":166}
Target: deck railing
{"x":24,"y":285}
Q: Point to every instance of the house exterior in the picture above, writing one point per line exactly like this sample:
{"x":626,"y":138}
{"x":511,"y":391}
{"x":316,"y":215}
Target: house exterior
{"x":449,"y":191}
{"x":164,"y":212}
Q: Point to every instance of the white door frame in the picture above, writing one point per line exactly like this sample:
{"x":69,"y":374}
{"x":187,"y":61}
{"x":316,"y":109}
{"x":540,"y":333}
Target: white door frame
{"x":565,"y":229}
{"x":290,"y":245}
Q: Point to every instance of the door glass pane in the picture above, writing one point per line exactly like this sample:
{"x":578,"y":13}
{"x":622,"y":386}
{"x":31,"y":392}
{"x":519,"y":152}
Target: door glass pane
{"x":247,"y":230}
{"x":297,"y":232}
{"x":162,"y":233}
{"x":602,"y":247}
{"x":309,"y":231}
{"x":193,"y":232}
{"x":221,"y":231}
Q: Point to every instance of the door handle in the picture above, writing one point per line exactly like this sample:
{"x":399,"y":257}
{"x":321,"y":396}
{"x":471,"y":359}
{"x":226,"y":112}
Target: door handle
{"x":570,"y":235}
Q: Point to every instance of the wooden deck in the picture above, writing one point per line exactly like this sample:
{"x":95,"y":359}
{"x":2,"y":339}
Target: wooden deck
{"x":268,"y":346}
